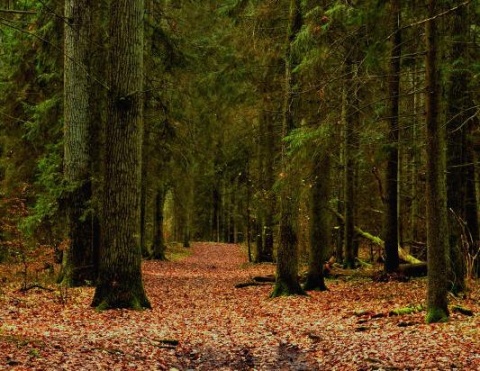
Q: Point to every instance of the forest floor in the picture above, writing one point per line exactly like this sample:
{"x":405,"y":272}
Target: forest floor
{"x":200,"y":321}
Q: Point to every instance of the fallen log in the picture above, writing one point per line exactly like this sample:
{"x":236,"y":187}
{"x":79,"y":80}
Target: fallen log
{"x":413,"y":270}
{"x":402,"y":253}
{"x":251,"y":283}
{"x":268,"y":278}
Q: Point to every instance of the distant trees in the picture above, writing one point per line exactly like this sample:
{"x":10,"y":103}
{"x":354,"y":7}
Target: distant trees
{"x":235,"y":145}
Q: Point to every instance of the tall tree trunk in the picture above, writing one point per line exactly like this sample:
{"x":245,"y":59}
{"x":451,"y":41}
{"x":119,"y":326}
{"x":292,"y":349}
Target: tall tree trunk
{"x":319,"y":221}
{"x":286,"y":282}
{"x":120,"y":279}
{"x":436,"y":192}
{"x":269,"y":141}
{"x":350,"y":122}
{"x":459,"y":101}
{"x":391,"y":211}
{"x":79,"y":268}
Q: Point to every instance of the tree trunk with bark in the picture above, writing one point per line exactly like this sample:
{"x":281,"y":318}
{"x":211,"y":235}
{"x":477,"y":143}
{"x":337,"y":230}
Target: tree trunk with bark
{"x":319,"y":222}
{"x":391,"y":197}
{"x":436,"y":192}
{"x":79,"y":266}
{"x":286,"y":280}
{"x":158,"y":246}
{"x":350,"y":117}
{"x":119,"y":282}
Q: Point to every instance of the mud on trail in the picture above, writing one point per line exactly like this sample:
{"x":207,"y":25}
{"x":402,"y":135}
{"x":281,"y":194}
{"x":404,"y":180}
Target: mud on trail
{"x":200,"y":321}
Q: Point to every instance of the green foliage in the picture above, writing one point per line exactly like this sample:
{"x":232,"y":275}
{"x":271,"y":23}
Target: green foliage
{"x":302,"y":141}
{"x":30,"y":114}
{"x":50,"y":186}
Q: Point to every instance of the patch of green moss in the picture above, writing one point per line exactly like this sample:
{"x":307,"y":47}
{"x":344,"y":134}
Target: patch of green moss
{"x":436,"y":315}
{"x":406,"y":310}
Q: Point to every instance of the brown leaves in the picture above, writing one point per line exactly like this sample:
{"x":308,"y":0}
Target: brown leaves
{"x":199,"y":321}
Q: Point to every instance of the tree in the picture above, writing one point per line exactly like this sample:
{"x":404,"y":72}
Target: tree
{"x":437,"y":225}
{"x":79,"y":264}
{"x":286,"y":280}
{"x":391,"y":198}
{"x":119,"y":282}
{"x":350,"y":121}
{"x":319,"y":221}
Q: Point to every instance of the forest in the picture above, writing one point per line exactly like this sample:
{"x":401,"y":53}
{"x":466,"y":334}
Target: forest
{"x":239,"y":184}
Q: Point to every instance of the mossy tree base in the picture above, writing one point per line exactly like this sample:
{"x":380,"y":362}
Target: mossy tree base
{"x":282,"y":288}
{"x":436,"y":315}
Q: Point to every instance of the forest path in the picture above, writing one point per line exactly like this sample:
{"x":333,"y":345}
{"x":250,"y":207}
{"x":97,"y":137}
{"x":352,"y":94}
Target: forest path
{"x":199,"y":321}
{"x":226,"y":328}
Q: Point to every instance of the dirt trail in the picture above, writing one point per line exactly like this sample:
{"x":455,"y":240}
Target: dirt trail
{"x":199,"y":321}
{"x":218,"y":324}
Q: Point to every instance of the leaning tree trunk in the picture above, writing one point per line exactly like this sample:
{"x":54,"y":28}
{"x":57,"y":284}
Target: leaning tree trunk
{"x":391,"y":210}
{"x":436,"y":192}
{"x":286,"y":281}
{"x":79,"y":266}
{"x":319,"y":222}
{"x":120,"y":279}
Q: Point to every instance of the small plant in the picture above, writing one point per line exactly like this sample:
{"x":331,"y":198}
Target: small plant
{"x":470,"y":249}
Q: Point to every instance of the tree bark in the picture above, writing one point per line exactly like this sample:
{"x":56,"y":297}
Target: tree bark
{"x":391,"y":210}
{"x":158,"y":247}
{"x":436,"y":192}
{"x":319,"y":222}
{"x":120,"y":280}
{"x":350,"y":117}
{"x":286,"y":282}
{"x":79,"y":266}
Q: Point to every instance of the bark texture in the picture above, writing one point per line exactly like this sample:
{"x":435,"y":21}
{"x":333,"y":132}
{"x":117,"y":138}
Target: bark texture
{"x":391,"y":210}
{"x":120,"y":281}
{"x":158,"y":245}
{"x":79,"y":266}
{"x":286,"y":282}
{"x":436,"y":192}
{"x":350,"y":145}
{"x":319,"y":223}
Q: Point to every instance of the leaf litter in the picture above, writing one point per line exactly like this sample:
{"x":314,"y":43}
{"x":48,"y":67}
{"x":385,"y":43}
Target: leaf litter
{"x":200,"y":321}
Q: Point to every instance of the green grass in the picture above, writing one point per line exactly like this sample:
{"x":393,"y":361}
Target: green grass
{"x":176,"y":252}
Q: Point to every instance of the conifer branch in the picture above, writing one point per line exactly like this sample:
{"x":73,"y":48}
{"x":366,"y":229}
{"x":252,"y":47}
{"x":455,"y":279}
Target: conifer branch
{"x":448,"y":11}
{"x":13,"y":11}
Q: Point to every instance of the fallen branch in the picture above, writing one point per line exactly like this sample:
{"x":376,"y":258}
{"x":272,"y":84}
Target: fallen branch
{"x":269,"y":278}
{"x":402,"y":253}
{"x":251,"y":283}
{"x":35,"y":286}
{"x":462,"y":310}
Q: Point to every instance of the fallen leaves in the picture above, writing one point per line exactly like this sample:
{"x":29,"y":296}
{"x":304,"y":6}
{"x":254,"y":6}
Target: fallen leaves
{"x":200,"y":321}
